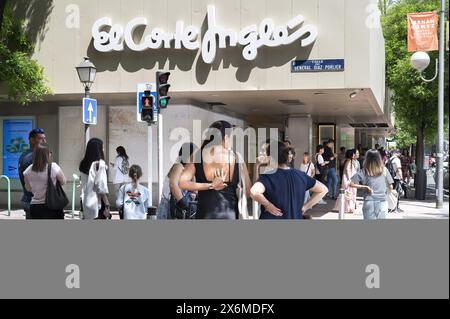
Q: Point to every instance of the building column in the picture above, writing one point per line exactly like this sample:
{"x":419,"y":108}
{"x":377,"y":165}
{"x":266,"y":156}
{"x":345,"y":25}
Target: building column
{"x":299,"y":132}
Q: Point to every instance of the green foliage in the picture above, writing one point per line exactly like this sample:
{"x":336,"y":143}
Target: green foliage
{"x":24,"y":77}
{"x":403,"y":138}
{"x":414,"y":101}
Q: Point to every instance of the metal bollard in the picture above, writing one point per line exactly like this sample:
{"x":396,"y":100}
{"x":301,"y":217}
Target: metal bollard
{"x":341,"y":203}
{"x":8,"y":181}
{"x":255,"y":209}
{"x":74,"y":186}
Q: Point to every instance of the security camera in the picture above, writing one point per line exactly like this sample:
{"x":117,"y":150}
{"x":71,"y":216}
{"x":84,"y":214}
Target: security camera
{"x":420,"y":61}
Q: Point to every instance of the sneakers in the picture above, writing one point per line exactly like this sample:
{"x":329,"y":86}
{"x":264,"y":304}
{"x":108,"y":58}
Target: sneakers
{"x":322,"y":202}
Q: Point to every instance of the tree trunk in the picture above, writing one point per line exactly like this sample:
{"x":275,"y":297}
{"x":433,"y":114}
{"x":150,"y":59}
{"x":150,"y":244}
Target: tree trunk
{"x":420,"y":147}
{"x":2,"y":12}
{"x":420,"y":155}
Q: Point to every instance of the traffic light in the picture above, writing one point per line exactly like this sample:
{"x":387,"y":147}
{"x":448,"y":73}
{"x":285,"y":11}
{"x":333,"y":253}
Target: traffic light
{"x":162,"y":88}
{"x":147,"y":107}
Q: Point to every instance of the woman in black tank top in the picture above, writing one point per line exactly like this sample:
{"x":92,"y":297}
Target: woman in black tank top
{"x":217,"y":197}
{"x":218,"y":204}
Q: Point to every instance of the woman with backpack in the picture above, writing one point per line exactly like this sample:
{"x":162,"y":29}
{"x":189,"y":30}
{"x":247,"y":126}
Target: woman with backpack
{"x":133,"y":197}
{"x":376,"y":181}
{"x":173,"y":199}
{"x":121,"y":166}
{"x":94,"y":182}
{"x":36,"y":179}
{"x":321,"y":165}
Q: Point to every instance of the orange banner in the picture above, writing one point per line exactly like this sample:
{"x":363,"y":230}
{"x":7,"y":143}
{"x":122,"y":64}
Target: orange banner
{"x":422,"y":31}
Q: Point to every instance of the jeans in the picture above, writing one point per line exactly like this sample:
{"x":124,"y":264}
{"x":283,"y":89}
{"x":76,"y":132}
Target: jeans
{"x":332,"y":178}
{"x":26,"y":208}
{"x":375,"y":209}
{"x":163,"y":211}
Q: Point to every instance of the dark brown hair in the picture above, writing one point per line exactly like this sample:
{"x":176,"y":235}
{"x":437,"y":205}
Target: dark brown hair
{"x":41,"y":157}
{"x":283,"y":153}
{"x":135,"y":172}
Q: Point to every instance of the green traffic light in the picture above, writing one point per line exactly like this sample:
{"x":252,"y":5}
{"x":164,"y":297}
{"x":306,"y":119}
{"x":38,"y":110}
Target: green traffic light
{"x":163,"y":102}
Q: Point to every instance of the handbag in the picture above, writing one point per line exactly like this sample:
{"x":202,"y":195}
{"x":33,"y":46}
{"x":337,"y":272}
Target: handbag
{"x":323,"y":170}
{"x":189,"y":209}
{"x":55,"y":198}
{"x":392,"y":198}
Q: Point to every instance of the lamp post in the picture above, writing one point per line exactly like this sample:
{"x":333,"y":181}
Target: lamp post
{"x":86,"y":73}
{"x":420,"y":61}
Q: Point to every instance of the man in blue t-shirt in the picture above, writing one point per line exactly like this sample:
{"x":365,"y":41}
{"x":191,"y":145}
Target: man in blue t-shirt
{"x":35,"y":137}
{"x":281,"y":192}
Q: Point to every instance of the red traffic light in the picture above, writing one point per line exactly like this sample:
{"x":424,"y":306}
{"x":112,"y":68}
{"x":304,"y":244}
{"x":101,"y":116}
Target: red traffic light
{"x":163,"y":77}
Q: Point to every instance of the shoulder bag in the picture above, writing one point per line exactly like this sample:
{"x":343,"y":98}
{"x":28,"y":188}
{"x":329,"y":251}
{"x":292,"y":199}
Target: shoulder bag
{"x":55,"y":198}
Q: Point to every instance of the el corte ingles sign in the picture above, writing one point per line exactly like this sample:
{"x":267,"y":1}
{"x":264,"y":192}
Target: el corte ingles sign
{"x":251,"y":38}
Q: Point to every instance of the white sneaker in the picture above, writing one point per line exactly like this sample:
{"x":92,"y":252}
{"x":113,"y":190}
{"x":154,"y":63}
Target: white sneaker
{"x":322,"y":202}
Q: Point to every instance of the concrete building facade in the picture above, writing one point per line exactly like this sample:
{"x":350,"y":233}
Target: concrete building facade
{"x":250,"y":78}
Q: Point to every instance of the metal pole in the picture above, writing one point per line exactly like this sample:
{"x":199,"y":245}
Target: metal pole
{"x":8,"y":181}
{"x":74,"y":186}
{"x":255,"y":207}
{"x":440,"y":146}
{"x":160,"y":155}
{"x":341,"y":203}
{"x":87,"y":128}
{"x":149,"y":163}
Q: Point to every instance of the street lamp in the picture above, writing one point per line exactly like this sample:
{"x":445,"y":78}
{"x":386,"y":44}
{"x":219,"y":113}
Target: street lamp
{"x":86,"y":73}
{"x":420,"y":61}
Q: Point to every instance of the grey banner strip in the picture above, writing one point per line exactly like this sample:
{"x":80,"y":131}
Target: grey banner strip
{"x":223,"y":259}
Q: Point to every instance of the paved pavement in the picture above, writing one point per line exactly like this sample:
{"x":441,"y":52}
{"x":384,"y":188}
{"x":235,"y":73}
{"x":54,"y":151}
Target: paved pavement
{"x":412,"y":209}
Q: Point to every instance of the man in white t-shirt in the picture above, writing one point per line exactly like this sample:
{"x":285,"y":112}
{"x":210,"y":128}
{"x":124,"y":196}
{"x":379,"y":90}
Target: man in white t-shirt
{"x":397,"y":165}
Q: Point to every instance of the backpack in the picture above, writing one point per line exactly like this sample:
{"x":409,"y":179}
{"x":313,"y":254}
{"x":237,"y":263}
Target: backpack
{"x":125,"y":166}
{"x":390,"y":168}
{"x":323,"y":170}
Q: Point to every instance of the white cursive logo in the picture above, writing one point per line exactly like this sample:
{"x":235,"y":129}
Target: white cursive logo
{"x":251,"y":37}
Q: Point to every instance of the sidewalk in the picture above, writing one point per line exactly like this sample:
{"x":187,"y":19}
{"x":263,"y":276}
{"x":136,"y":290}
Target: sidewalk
{"x":20,"y":214}
{"x":412,"y":209}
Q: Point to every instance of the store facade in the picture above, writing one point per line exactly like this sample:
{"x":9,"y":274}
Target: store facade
{"x":311,"y":69}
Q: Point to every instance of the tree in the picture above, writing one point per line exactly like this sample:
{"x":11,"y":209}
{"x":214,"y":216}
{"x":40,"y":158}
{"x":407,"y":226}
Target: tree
{"x":24,"y":77}
{"x":384,"y":5}
{"x":414,"y":101}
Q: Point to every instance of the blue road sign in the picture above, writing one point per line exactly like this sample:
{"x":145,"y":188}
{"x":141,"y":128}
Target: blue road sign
{"x":321,"y":65}
{"x":141,"y":87}
{"x":90,"y":111}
